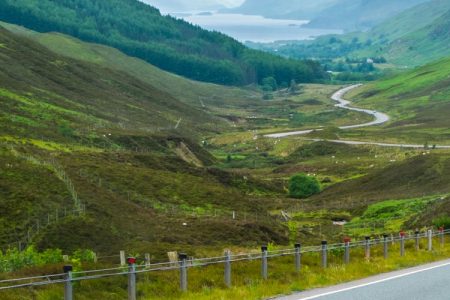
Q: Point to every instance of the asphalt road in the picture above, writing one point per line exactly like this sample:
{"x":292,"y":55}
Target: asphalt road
{"x":379,"y":118}
{"x":428,"y":282}
{"x":412,"y":146}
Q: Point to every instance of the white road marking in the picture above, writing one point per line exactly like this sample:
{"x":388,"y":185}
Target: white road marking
{"x":375,"y":282}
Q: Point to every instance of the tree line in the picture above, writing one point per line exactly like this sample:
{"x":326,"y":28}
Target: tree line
{"x":139,"y":30}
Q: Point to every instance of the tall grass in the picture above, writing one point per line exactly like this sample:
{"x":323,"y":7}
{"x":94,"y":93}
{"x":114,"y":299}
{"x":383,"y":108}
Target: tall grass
{"x":207,"y":282}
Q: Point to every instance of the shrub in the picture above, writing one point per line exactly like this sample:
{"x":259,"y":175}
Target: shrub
{"x":303,"y":186}
{"x":442,"y":221}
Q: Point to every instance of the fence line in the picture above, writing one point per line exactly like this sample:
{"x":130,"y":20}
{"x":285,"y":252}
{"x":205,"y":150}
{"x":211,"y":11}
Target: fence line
{"x":78,"y":208}
{"x":183,"y":263}
{"x":40,"y":224}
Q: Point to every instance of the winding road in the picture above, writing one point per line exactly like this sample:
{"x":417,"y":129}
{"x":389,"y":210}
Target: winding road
{"x":379,"y":118}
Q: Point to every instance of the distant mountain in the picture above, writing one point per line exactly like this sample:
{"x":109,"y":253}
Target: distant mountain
{"x":410,"y":20}
{"x":360,"y":14}
{"x":414,"y":37}
{"x":330,"y":14}
{"x":174,"y":45}
{"x":296,"y":9}
{"x":184,"y":5}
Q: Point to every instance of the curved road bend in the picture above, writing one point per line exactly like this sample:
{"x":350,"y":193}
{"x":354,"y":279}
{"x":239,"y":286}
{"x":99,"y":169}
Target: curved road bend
{"x":428,"y":282}
{"x":411,"y":146}
{"x":380,"y":118}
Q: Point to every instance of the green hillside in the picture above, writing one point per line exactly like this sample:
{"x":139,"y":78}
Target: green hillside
{"x":67,"y":125}
{"x":409,"y":21}
{"x":174,"y":45}
{"x":193,"y":92}
{"x":414,"y":37}
{"x":353,"y":15}
{"x":418,"y":101}
{"x":422,"y":46}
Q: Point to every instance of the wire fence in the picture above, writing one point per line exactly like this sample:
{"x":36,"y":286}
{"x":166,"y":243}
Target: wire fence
{"x":183,"y":263}
{"x":37,"y":225}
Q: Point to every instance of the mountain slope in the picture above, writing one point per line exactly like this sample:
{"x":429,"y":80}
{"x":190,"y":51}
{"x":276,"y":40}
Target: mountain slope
{"x":418,"y":101}
{"x":298,"y":9}
{"x":113,"y":137}
{"x":423,"y":45}
{"x":414,"y":37}
{"x":174,"y":45}
{"x":360,"y":14}
{"x":193,"y":92}
{"x":410,"y":20}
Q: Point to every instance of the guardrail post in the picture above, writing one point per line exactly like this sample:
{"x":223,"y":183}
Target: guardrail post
{"x":122,"y":258}
{"x":183,"y":271}
{"x":324,"y":254}
{"x":430,"y":240}
{"x":385,"y":246}
{"x":367,"y":248}
{"x":347,"y":250}
{"x":68,"y":290}
{"x":228,"y":268}
{"x":298,"y":257}
{"x":264,"y":262}
{"x":417,"y":240}
{"x":442,"y":236}
{"x":402,"y":243}
{"x":147,"y":260}
{"x":131,"y":278}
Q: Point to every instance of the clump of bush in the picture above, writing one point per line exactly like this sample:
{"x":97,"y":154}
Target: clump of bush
{"x":303,"y":186}
{"x":442,"y":221}
{"x":13,"y":259}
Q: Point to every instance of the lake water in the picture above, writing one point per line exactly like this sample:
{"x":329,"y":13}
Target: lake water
{"x":255,"y":28}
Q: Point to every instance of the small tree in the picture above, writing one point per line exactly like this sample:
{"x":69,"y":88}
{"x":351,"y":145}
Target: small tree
{"x":303,"y":186}
{"x":270,"y":83}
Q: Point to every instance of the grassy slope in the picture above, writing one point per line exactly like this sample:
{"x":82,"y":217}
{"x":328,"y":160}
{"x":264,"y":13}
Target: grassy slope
{"x":418,"y":101}
{"x":113,"y":135}
{"x":181,"y":88}
{"x":352,"y":15}
{"x":415,"y":177}
{"x":410,"y":20}
{"x":172,"y":44}
{"x":414,"y":37}
{"x":424,"y":45}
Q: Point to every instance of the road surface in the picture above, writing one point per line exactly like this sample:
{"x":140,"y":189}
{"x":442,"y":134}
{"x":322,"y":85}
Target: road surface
{"x":379,"y":118}
{"x":428,"y":282}
{"x":412,"y":146}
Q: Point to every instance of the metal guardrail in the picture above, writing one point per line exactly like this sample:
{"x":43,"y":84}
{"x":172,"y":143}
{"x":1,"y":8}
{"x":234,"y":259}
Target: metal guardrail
{"x":68,"y":277}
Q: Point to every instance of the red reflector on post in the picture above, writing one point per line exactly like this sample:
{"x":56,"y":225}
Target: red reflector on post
{"x":131,"y":260}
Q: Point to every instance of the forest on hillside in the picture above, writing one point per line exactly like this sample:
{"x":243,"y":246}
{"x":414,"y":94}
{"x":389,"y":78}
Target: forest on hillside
{"x":171,"y":44}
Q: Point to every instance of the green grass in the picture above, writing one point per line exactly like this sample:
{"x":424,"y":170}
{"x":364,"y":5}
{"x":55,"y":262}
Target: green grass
{"x":417,"y":101}
{"x":192,"y":92}
{"x":207,"y":282}
{"x":388,"y":216}
{"x":109,"y":119}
